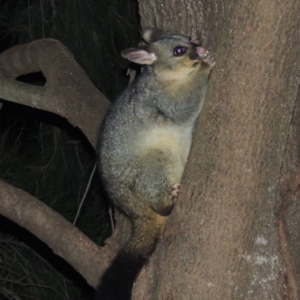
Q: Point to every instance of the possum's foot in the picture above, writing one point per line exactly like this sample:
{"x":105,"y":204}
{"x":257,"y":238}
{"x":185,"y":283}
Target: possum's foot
{"x":209,"y":60}
{"x":175,"y":189}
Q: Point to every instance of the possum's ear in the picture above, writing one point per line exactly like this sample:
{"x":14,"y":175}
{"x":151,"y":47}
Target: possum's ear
{"x":139,"y":56}
{"x":151,"y":35}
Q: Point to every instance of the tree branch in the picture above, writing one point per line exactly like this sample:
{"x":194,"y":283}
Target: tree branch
{"x":68,"y":91}
{"x":61,"y":236}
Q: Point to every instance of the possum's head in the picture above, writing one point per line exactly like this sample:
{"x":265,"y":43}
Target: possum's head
{"x":172,"y":56}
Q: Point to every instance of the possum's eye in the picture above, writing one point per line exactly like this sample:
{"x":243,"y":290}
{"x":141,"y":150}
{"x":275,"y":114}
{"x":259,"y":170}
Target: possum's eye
{"x":179,"y":51}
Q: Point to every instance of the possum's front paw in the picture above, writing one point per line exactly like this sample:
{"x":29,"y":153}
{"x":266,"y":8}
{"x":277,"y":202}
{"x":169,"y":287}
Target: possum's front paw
{"x":175,"y":189}
{"x":209,"y":60}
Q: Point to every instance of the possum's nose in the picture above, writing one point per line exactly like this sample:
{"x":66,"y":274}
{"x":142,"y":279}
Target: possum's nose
{"x":200,"y":51}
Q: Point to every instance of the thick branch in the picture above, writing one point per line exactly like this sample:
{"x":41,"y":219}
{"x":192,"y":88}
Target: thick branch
{"x":68,"y":91}
{"x":61,"y":236}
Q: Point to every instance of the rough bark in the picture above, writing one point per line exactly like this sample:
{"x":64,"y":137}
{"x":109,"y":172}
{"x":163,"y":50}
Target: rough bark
{"x":68,"y":91}
{"x":289,"y":207}
{"x":226,"y":238}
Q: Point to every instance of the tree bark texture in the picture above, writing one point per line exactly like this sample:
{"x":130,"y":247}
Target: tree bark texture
{"x":230,"y":235}
{"x":289,"y":209}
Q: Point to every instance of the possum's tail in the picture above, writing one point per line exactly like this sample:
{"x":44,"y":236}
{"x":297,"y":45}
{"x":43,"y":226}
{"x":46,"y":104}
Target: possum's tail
{"x":117,"y":281}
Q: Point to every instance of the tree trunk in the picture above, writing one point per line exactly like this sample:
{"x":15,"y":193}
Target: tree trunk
{"x":229,"y":236}
{"x":234,"y":230}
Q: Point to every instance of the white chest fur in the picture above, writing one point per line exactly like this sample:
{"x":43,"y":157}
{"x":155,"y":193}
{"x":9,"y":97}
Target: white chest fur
{"x":172,"y":138}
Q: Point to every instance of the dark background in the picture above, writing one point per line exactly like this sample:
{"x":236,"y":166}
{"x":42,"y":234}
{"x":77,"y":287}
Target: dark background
{"x":44,"y":155}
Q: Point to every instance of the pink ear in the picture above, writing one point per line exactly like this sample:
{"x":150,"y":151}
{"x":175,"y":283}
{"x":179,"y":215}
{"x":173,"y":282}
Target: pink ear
{"x":139,"y":56}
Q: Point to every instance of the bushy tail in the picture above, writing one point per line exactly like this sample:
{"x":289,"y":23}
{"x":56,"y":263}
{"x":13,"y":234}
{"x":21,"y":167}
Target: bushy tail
{"x":117,"y":281}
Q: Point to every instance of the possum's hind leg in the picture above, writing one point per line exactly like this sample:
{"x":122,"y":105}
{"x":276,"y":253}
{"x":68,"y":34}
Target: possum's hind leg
{"x":158,"y":172}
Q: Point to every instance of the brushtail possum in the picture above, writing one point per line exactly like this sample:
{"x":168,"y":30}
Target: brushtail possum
{"x":144,"y":143}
